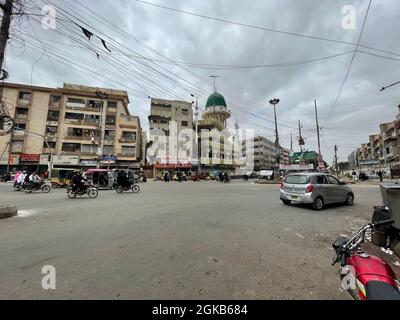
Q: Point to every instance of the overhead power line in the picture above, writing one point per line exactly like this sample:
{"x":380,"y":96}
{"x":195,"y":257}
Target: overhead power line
{"x":295,"y":34}
{"x":350,"y":65}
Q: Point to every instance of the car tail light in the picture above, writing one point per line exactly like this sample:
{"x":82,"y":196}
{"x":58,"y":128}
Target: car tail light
{"x":310,"y":188}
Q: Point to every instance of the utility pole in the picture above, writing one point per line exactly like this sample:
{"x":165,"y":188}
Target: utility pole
{"x":301,"y":140}
{"x":197,"y":145}
{"x":7,"y":7}
{"x":316,"y":119}
{"x":274,"y":102}
{"x":336,"y":161}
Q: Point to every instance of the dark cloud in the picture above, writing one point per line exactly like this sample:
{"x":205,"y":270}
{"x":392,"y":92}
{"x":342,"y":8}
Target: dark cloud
{"x":183,"y":37}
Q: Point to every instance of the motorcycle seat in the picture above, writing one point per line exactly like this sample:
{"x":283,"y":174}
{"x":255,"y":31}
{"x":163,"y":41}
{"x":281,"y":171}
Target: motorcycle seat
{"x":378,"y":290}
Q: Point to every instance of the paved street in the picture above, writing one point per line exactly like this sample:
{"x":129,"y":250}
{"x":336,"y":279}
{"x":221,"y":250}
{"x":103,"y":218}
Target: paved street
{"x":175,"y":241}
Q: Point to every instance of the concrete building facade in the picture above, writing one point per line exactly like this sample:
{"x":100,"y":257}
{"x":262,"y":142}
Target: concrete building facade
{"x":84,"y":127}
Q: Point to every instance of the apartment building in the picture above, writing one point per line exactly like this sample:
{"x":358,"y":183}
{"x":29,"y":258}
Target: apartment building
{"x":166,"y":115}
{"x":264,"y":151}
{"x":80,"y":126}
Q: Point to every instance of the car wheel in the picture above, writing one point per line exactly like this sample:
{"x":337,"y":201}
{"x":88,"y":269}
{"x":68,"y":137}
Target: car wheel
{"x":349,"y":200}
{"x":286,"y":202}
{"x":318,"y":204}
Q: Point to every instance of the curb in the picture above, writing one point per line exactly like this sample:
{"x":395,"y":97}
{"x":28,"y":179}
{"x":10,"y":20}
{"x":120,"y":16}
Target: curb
{"x":8,"y":212}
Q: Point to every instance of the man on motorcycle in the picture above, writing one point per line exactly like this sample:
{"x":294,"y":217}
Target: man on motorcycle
{"x":34,"y":180}
{"x":78,"y":182}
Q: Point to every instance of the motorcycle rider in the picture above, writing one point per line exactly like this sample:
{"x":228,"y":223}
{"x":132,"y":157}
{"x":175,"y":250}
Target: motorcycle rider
{"x":21,"y":179}
{"x":77,"y":182}
{"x":34,"y":180}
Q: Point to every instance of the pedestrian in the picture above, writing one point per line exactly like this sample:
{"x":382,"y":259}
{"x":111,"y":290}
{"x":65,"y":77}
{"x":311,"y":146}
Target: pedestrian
{"x":354,"y":174}
{"x":380,"y":175}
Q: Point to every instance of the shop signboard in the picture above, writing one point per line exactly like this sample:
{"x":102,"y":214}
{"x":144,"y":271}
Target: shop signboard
{"x":290,"y":167}
{"x":44,"y":159}
{"x":88,"y":163}
{"x":65,"y":160}
{"x":174,"y":165}
{"x":13,"y":159}
{"x":30,"y":157}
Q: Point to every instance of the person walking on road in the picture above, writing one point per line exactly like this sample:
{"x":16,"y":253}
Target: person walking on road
{"x":354,"y":175}
{"x":380,"y":175}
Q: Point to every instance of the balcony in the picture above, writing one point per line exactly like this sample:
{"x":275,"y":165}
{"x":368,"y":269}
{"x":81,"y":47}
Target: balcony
{"x":111,"y":111}
{"x":82,"y":138}
{"x":55,"y":106}
{"x":126,"y":155}
{"x":83,"y":122}
{"x":390,"y":136}
{"x":21,"y":118}
{"x":127,"y":140}
{"x":24,"y":103}
{"x":51,"y":122}
{"x":18,"y":137}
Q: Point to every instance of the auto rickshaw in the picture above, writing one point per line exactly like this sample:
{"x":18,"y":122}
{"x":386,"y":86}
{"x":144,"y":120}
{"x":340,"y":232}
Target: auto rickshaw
{"x":101,"y":178}
{"x":61,"y":177}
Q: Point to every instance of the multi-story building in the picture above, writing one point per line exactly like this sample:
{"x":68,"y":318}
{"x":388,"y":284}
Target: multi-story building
{"x":80,"y":126}
{"x":390,"y":143}
{"x":166,"y":115}
{"x":353,"y":159}
{"x":285,"y":156}
{"x":264,"y":151}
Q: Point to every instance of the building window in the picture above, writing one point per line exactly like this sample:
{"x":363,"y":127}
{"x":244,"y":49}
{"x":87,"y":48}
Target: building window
{"x":76,"y":101}
{"x":71,"y":147}
{"x":110,"y":120}
{"x":89,"y":148}
{"x":55,"y":99}
{"x":73,"y":116}
{"x":184,"y":123}
{"x":53,"y":115}
{"x":128,"y":151}
{"x":108,"y":150}
{"x":128,"y":136}
{"x":112,"y":104}
{"x":25,"y":95}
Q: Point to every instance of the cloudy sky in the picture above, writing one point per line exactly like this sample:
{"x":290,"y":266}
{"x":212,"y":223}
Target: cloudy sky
{"x":156,"y":52}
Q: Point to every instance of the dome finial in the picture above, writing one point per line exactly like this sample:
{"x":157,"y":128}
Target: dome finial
{"x":214,"y":78}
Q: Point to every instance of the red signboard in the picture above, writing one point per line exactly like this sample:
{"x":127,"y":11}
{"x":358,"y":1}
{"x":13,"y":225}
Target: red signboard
{"x":179,"y":165}
{"x":27,"y":157}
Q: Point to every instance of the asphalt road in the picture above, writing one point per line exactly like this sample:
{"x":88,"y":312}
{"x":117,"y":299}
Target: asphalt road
{"x":175,"y":241}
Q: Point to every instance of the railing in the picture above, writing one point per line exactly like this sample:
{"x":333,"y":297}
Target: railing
{"x":83,"y":137}
{"x":127,"y":140}
{"x":83,"y":122}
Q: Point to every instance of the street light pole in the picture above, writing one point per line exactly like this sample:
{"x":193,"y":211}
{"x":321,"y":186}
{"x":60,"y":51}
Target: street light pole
{"x":274,"y":102}
{"x":196,"y":114}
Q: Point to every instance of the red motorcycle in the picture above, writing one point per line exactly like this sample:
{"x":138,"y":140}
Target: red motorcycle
{"x":364,"y":276}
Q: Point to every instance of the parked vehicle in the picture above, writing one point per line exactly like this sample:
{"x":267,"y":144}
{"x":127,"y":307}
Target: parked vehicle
{"x":87,"y":189}
{"x":390,"y":193}
{"x":317,"y":189}
{"x":42,"y":185}
{"x":365,"y":277}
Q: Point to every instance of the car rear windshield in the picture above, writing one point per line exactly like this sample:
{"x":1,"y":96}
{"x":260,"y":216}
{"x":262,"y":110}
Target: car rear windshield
{"x":297,"y":179}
